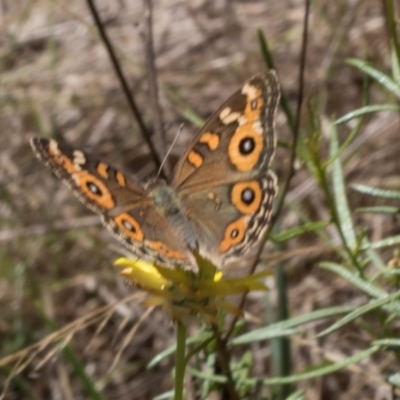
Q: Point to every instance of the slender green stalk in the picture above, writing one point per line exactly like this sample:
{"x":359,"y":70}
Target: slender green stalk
{"x":391,"y":21}
{"x":180,"y":363}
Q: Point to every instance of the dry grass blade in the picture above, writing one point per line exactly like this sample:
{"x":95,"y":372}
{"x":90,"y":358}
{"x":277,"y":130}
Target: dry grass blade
{"x":101,"y":326}
{"x":59,"y":339}
{"x":128,"y":337}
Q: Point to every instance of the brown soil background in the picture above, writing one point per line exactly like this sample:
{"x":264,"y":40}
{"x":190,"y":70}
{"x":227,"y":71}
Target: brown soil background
{"x":55,"y":258}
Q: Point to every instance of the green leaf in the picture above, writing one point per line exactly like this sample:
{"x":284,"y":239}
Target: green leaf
{"x":354,"y":279}
{"x":210,"y":376}
{"x":376,"y":74}
{"x":394,"y":379}
{"x":391,"y":241}
{"x":379,"y":210}
{"x":365,"y":286}
{"x":388,"y":342}
{"x":339,"y":191}
{"x":298,"y":395}
{"x":165,"y":396}
{"x":299,"y":230}
{"x":280,"y":328}
{"x":383,"y":193}
{"x":324,"y":370}
{"x":366,"y":110}
{"x":358,"y":312}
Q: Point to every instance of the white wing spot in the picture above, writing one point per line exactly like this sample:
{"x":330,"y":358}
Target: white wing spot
{"x":250,"y":91}
{"x":79,"y":159}
{"x":53,"y":147}
{"x":258,"y":127}
{"x":242,"y":120}
{"x":224,"y":113}
{"x":228,"y":117}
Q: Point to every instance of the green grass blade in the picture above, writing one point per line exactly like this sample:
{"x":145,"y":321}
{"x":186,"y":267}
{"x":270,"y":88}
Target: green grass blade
{"x":383,"y":193}
{"x":325,"y":370}
{"x":379,"y":210}
{"x":299,"y":230}
{"x":339,"y":191}
{"x":366,"y":110}
{"x":388,"y":342}
{"x":394,"y":379}
{"x":382,"y":78}
{"x":354,"y":279}
{"x":358,"y":312}
{"x":284,"y":327}
{"x":391,"y":241}
{"x":165,"y":396}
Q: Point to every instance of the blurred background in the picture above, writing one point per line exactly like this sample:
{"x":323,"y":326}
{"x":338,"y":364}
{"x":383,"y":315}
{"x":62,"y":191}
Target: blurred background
{"x":56,"y":258}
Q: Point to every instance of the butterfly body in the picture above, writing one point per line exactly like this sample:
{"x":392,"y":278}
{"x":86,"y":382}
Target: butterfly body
{"x":168,"y":204}
{"x":219,"y":201}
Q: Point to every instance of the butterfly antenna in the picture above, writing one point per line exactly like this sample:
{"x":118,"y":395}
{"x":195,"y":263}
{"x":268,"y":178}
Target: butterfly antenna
{"x":169,"y":150}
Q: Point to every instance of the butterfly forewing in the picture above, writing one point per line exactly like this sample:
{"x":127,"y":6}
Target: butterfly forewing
{"x":236,"y":141}
{"x":122,"y":203}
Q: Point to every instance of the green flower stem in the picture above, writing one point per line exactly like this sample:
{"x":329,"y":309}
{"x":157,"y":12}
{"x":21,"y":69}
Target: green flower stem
{"x":180,"y":363}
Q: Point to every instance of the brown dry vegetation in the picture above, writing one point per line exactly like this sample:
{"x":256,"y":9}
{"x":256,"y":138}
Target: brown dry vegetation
{"x":55,"y":258}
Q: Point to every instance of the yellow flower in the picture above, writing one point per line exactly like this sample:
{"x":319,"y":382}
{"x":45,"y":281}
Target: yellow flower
{"x":184,"y":294}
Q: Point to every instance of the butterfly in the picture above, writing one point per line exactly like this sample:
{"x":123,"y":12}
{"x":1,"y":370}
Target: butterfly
{"x":219,"y":201}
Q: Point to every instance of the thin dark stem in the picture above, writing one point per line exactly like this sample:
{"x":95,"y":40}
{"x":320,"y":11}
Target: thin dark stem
{"x":292,"y":157}
{"x":123,"y":82}
{"x":223,"y":357}
{"x":159,"y":133}
{"x":298,"y":112}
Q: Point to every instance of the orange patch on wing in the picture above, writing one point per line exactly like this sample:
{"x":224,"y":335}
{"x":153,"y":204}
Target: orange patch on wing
{"x":251,"y":128}
{"x":91,"y":187}
{"x":254,"y":102}
{"x":210,"y":139}
{"x":165,"y":250}
{"x":102,"y":168}
{"x":129,"y":226}
{"x":234,"y":234}
{"x":62,"y":160}
{"x":247,"y":196}
{"x":120,"y":177}
{"x":195,"y":159}
{"x":245,"y":162}
{"x":94,"y":189}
